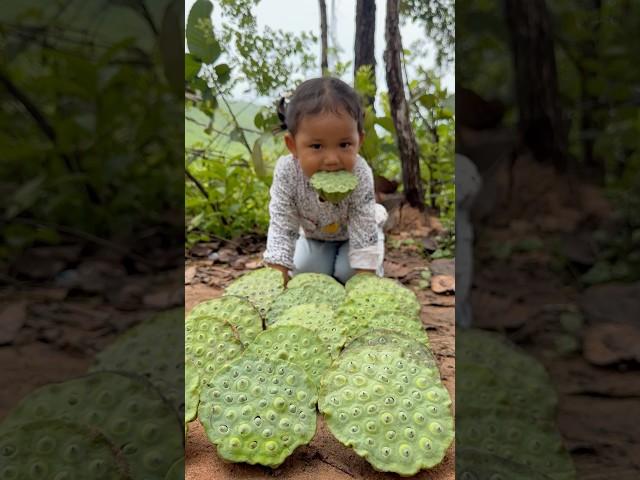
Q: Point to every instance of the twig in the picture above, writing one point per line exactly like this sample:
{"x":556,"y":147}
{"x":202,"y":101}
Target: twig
{"x":205,"y":194}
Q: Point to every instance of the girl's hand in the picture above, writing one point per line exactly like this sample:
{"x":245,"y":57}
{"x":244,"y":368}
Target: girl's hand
{"x":281,"y":268}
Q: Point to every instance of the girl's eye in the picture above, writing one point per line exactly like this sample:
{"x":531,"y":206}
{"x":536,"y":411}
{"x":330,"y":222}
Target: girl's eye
{"x":345,"y":145}
{"x":315,"y":146}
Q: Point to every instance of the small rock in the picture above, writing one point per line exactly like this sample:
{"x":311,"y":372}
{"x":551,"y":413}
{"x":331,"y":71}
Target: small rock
{"x":226,"y":255}
{"x":611,"y":343}
{"x":442,"y":284}
{"x":12,"y":318}
{"x":239,"y":263}
{"x":200,"y":250}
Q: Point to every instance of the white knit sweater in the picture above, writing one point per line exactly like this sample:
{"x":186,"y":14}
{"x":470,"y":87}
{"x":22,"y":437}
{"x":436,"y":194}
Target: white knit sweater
{"x":295,"y":208}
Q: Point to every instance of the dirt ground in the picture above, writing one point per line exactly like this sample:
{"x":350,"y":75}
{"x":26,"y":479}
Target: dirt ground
{"x":325,"y":457}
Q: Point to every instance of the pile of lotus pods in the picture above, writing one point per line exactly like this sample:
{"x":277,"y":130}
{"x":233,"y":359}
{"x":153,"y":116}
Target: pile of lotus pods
{"x":357,"y":354}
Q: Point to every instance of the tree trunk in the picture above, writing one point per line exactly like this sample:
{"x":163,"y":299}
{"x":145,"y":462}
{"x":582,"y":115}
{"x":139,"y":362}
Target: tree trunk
{"x":324,"y":65}
{"x":365,"y":36}
{"x":407,"y":145}
{"x":536,"y":80}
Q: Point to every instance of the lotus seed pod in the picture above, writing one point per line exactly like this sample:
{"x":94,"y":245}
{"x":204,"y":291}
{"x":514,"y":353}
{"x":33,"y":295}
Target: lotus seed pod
{"x":532,"y":443}
{"x":236,"y":311}
{"x":328,"y":294}
{"x":314,"y":279}
{"x":298,"y":345}
{"x":191,"y":391}
{"x":126,"y":409}
{"x":369,"y":303}
{"x":391,"y":410}
{"x":176,"y":472}
{"x":319,"y":318}
{"x":258,"y":411}
{"x":53,"y":449}
{"x":149,"y":349}
{"x":334,"y":186}
{"x":260,"y":287}
{"x":390,"y":339}
{"x":209,"y":344}
{"x":357,"y":319}
{"x":533,"y":392}
{"x":366,"y":284}
{"x":477,"y":465}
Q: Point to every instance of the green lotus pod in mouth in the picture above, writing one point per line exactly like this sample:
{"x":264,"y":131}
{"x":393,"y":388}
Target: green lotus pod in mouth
{"x":334,"y":186}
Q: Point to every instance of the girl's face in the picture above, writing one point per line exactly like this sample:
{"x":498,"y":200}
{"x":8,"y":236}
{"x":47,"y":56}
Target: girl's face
{"x":325,"y":142}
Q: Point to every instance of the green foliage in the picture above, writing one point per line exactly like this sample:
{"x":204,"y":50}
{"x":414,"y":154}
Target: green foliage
{"x":438,"y":20}
{"x":86,"y":122}
{"x":231,"y":147}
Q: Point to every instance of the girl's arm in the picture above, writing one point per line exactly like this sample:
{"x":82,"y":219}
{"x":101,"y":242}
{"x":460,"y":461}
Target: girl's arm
{"x":363,"y":231}
{"x":283,"y":222}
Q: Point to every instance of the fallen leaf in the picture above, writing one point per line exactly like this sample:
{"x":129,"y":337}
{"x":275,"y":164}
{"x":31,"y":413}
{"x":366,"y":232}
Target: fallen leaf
{"x":12,"y":318}
{"x":443,"y":284}
{"x":396,"y":270}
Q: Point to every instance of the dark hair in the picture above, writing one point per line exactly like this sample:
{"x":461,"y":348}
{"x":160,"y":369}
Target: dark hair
{"x":324,"y":94}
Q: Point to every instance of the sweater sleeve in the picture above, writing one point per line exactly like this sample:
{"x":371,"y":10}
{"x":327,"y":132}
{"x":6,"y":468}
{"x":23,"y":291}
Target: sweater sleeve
{"x":363,"y":231}
{"x":284,"y":222}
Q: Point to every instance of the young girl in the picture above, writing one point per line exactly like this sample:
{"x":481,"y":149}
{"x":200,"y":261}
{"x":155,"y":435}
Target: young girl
{"x":324,"y":122}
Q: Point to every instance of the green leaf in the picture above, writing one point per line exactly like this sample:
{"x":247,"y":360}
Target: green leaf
{"x":200,"y":38}
{"x":191,"y":66}
{"x":428,"y":100}
{"x":223,"y":72}
{"x":386,"y":123}
{"x":170,"y":45}
{"x":256,"y":156}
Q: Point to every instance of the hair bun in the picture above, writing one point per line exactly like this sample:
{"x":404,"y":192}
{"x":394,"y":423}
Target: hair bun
{"x":282,"y":110}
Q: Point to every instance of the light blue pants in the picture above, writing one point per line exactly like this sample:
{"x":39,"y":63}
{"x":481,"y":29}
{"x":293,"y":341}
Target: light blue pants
{"x":316,"y":256}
